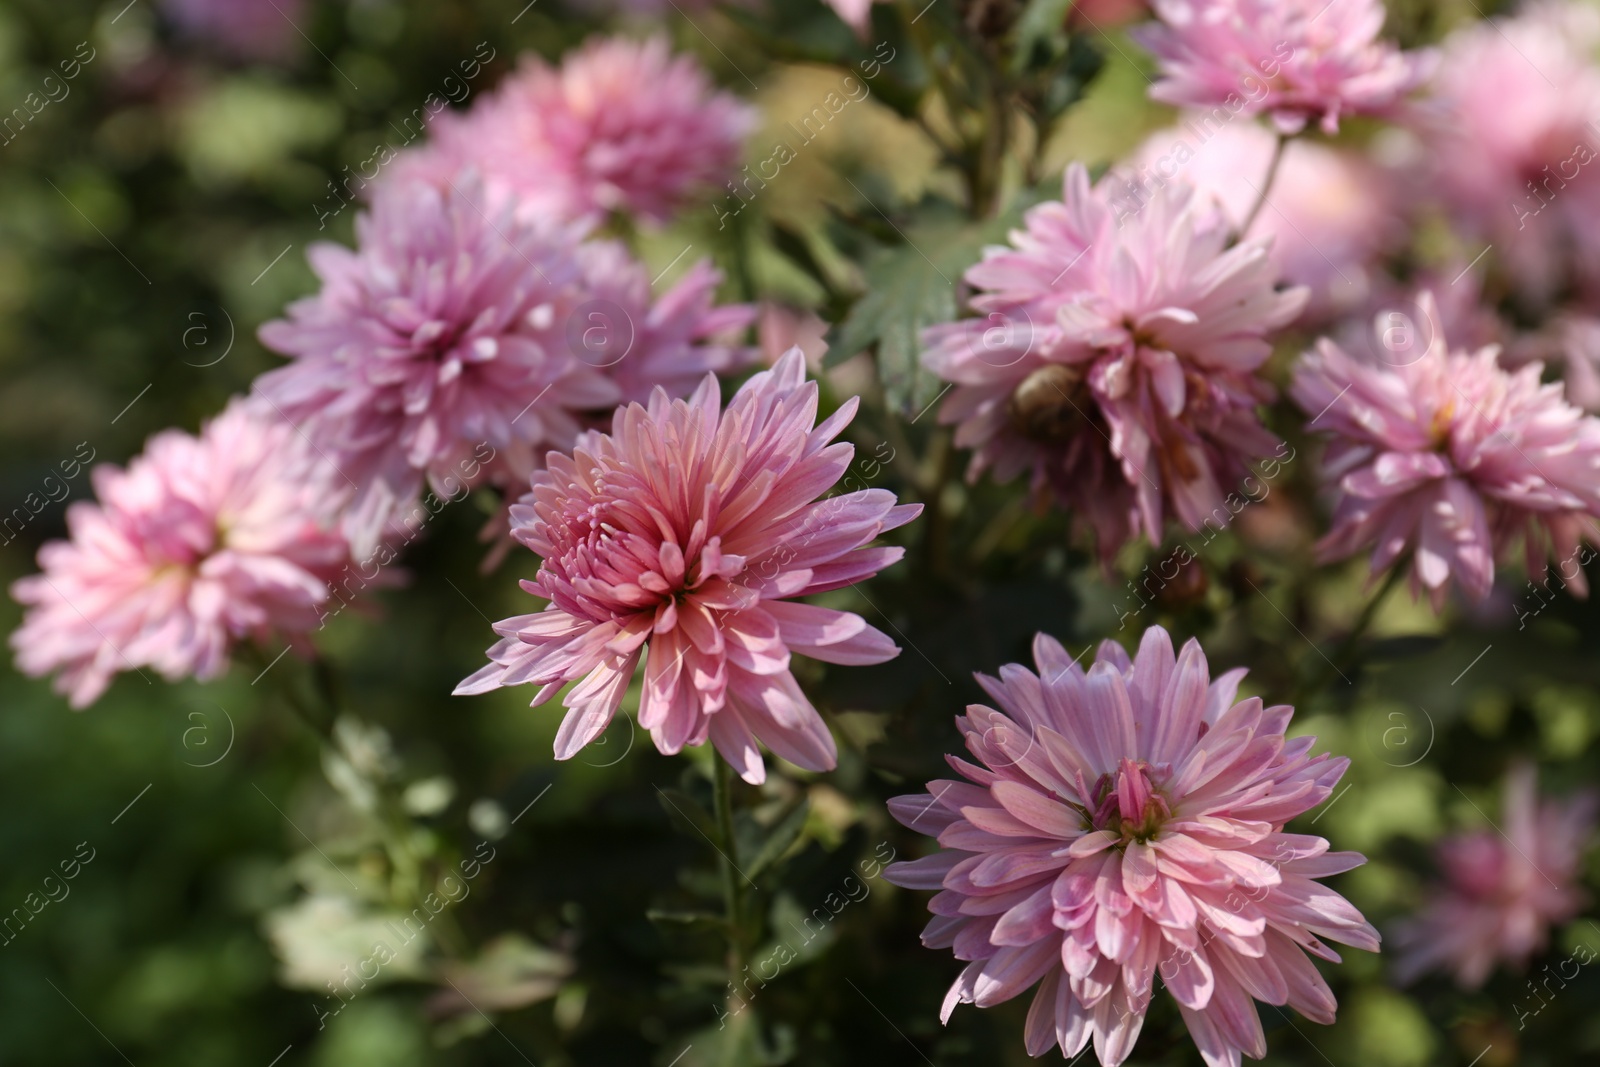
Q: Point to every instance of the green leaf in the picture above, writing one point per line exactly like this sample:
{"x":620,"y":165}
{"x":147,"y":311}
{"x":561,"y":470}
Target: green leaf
{"x":1041,"y":35}
{"x":688,"y":814}
{"x":910,"y":287}
{"x":709,"y":920}
{"x":783,"y":835}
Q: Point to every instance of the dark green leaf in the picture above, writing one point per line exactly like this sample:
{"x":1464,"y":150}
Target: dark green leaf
{"x":687,"y":814}
{"x":779,"y":839}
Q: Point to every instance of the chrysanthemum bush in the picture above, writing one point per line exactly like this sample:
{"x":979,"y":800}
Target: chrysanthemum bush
{"x":1235,"y":370}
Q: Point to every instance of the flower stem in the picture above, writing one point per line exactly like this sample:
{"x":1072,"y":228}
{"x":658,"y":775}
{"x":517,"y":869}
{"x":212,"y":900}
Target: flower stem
{"x":1266,"y":185}
{"x":732,"y":892}
{"x":1343,"y":656}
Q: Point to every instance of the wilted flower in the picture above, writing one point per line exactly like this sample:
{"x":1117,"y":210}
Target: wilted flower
{"x":620,"y":126}
{"x":199,"y":543}
{"x":1450,"y":457}
{"x":689,"y":529}
{"x":1512,"y":150}
{"x":1502,"y":891}
{"x":1328,"y":214}
{"x":1116,"y":357}
{"x":1297,"y":61}
{"x":1126,"y":822}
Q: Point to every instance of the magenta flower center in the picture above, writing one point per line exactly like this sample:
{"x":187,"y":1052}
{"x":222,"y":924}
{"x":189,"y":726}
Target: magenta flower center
{"x":1127,"y":803}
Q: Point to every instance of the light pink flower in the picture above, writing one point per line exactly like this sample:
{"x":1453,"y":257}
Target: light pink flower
{"x":458,"y":333}
{"x":1296,"y":61}
{"x":199,"y":543}
{"x":1328,"y":213}
{"x":1512,"y":149}
{"x":1125,"y":822}
{"x":672,"y":341}
{"x":857,"y":14}
{"x":250,"y":29}
{"x":1502,"y":891}
{"x":443,"y":332}
{"x":620,"y":126}
{"x":1450,"y":457}
{"x":1116,"y":358}
{"x":689,"y":530}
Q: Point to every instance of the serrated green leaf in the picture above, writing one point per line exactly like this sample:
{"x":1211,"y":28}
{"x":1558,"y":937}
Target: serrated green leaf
{"x":910,"y":287}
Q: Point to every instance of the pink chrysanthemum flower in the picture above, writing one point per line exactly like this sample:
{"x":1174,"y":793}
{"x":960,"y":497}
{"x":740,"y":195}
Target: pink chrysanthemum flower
{"x":689,"y":530}
{"x":1296,"y":61}
{"x":1448,"y":456}
{"x":620,"y":126}
{"x":442,"y":331}
{"x":1512,"y":150}
{"x":671,"y":342}
{"x":200,"y":542}
{"x":1502,"y":891}
{"x":1127,"y":822}
{"x":458,"y":330}
{"x":1116,"y":357}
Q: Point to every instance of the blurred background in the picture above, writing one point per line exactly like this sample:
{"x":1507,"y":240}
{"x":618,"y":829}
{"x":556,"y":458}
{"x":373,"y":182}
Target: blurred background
{"x":155,"y":208}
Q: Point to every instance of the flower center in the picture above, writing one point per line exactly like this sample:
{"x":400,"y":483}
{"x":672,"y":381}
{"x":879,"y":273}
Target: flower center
{"x":1127,"y":804}
{"x":1050,"y":405}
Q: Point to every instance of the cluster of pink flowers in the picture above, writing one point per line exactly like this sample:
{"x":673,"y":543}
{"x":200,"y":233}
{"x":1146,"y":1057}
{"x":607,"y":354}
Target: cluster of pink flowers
{"x":200,"y":543}
{"x":687,"y":531}
{"x":1298,"y":62}
{"x":1504,"y":888}
{"x":620,"y":126}
{"x":1451,"y":459}
{"x":1122,"y":823}
{"x":1116,"y":357}
{"x":473,"y":329}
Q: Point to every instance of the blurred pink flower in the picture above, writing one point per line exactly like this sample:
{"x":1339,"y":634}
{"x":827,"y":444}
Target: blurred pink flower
{"x":250,"y":29}
{"x":1297,"y":61}
{"x":1328,"y":214}
{"x":689,"y":529}
{"x":1450,"y":457}
{"x":1116,"y":358}
{"x":672,"y":341}
{"x":200,"y":542}
{"x":1123,"y":823}
{"x":857,"y":14}
{"x":1512,"y":147}
{"x":620,"y":126}
{"x":1502,"y":891}
{"x":438,"y":342}
{"x":459,"y":342}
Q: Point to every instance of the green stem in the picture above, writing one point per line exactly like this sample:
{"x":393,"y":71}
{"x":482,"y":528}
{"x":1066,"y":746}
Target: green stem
{"x":1343,"y":657}
{"x":732,"y":892}
{"x":1266,"y":185}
